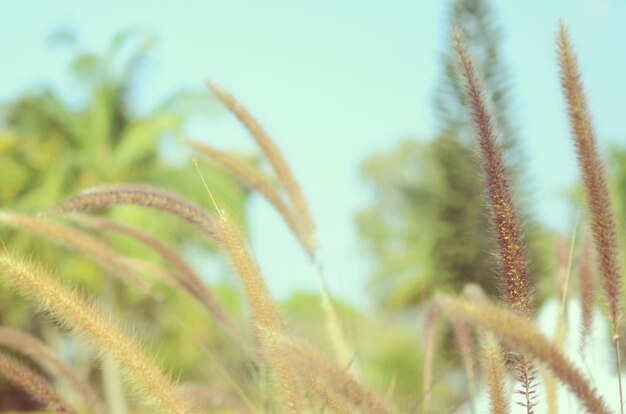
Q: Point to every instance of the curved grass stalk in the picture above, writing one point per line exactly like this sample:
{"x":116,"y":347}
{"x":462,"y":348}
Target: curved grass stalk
{"x":81,"y":242}
{"x":35,"y":349}
{"x":253,"y":179}
{"x":520,"y":334}
{"x":98,"y":198}
{"x":275,"y":158}
{"x":184,"y":277}
{"x":34,"y":384}
{"x":76,"y":314}
{"x":596,"y":190}
{"x":263,"y":312}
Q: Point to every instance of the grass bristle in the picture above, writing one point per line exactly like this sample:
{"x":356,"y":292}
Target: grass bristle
{"x":85,"y":244}
{"x":103,"y":197}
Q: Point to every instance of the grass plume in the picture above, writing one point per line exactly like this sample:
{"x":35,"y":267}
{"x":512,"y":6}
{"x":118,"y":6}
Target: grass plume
{"x":592,"y":171}
{"x":262,"y":309}
{"x":520,"y":334}
{"x":98,"y":198}
{"x":184,"y":274}
{"x":76,"y":314}
{"x":494,"y":371}
{"x":275,"y":158}
{"x":78,"y":241}
{"x":296,"y":215}
{"x":33,"y":384}
{"x":594,"y":184}
{"x":253,"y":179}
{"x":504,"y":215}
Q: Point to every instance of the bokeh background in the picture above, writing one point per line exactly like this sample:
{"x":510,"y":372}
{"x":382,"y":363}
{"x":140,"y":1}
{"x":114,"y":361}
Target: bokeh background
{"x":359,"y":97}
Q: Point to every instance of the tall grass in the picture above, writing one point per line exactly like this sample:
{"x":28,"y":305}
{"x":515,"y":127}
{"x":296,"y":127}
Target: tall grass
{"x":302,"y":378}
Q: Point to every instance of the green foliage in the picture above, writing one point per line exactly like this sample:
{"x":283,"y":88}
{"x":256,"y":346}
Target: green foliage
{"x":54,"y":147}
{"x":55,"y":143}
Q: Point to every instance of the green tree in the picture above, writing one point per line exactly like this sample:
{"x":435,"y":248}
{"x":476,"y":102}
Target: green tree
{"x":428,"y":227}
{"x":53,"y":147}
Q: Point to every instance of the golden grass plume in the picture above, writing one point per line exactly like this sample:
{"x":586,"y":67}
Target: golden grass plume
{"x":521,"y":335}
{"x":80,"y":242}
{"x":76,"y":314}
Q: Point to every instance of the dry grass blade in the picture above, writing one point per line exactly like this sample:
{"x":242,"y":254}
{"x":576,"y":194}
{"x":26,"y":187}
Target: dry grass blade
{"x":76,"y":314}
{"x":34,"y":384}
{"x":262,"y":308}
{"x":99,"y":198}
{"x":83,"y":243}
{"x":283,"y":172}
{"x":184,"y":276}
{"x":520,"y":334}
{"x":35,"y":349}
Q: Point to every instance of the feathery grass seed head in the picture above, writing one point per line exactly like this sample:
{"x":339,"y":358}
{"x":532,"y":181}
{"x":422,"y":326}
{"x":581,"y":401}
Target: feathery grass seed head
{"x":102,"y":197}
{"x":504,"y":215}
{"x":592,"y":171}
{"x":76,"y":314}
{"x":517,"y":331}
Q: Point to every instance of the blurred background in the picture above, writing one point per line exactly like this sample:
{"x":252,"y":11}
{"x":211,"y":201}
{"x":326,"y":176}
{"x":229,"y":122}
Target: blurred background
{"x":362,"y":99}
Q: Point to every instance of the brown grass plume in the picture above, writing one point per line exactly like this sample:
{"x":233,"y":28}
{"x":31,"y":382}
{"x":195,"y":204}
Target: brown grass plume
{"x":519,"y":333}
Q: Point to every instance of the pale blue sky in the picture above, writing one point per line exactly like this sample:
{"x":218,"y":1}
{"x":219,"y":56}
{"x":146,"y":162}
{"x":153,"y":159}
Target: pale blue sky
{"x":336,"y":81}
